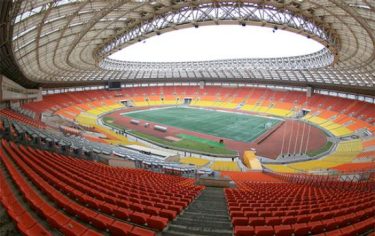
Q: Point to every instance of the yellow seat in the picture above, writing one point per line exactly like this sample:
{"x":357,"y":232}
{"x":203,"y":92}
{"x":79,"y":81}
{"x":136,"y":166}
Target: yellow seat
{"x":199,"y":162}
{"x":280,"y":168}
{"x":201,"y":103}
{"x":279,"y":112}
{"x":345,"y":152}
{"x":225,"y":166}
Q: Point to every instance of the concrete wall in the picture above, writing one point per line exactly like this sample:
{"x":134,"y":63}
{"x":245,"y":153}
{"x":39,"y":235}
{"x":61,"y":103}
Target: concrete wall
{"x":10,"y":90}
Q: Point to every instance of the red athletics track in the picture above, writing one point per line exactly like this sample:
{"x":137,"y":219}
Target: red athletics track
{"x":270,"y":147}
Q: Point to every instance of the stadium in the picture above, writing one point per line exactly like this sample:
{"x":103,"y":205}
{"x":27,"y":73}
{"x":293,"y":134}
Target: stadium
{"x":94,"y":145}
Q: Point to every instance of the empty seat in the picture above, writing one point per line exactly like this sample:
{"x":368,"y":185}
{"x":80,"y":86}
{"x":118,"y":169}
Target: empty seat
{"x":264,"y":230}
{"x":244,"y":230}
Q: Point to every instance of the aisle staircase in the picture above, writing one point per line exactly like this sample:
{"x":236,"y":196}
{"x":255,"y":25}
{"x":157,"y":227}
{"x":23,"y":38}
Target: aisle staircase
{"x":207,"y":215}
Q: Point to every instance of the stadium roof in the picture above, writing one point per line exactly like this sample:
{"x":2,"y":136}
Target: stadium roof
{"x":59,"y":43}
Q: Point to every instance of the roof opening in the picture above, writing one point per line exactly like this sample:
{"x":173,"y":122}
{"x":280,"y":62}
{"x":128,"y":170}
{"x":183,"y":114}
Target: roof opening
{"x":217,"y":43}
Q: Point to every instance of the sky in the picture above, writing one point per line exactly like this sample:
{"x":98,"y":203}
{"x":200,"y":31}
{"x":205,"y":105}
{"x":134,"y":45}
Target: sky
{"x":218,"y":42}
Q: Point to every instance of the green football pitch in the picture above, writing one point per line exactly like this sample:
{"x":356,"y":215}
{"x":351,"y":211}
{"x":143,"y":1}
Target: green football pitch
{"x":239,"y":127}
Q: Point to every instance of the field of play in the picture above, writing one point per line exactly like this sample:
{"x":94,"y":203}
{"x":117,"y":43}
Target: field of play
{"x":235,"y":126}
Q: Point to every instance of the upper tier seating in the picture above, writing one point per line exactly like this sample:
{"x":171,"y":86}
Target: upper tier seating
{"x":340,"y":116}
{"x":355,"y":167}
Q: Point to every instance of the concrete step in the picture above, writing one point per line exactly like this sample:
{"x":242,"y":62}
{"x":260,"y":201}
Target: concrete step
{"x":199,"y":215}
{"x":194,"y":223}
{"x":206,"y":216}
{"x":200,"y":230}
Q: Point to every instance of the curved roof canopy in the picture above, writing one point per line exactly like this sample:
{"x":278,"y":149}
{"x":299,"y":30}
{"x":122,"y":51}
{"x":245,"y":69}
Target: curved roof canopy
{"x":65,"y":42}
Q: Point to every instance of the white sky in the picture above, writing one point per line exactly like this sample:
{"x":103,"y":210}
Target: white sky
{"x":218,"y":42}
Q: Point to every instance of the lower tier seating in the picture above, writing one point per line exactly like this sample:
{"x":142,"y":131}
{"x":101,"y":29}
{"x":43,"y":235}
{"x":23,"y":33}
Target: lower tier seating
{"x":286,"y":209}
{"x":345,"y":152}
{"x":121,"y":201}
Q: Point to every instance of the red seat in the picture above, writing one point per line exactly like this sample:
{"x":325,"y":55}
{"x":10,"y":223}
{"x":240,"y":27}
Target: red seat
{"x":161,"y":205}
{"x":138,"y":217}
{"x":157,"y":222}
{"x":87,"y":215}
{"x":345,"y":220}
{"x":240,"y":221}
{"x":108,"y":208}
{"x":91,"y":232}
{"x":264,"y":230}
{"x":236,"y":214}
{"x":244,"y":230}
{"x":301,"y":229}
{"x":122,"y":213}
{"x":123,"y":203}
{"x":291,"y":213}
{"x":254,"y":221}
{"x":250,"y":213}
{"x":136,"y":207}
{"x":25,"y":220}
{"x":35,"y":201}
{"x":278,"y":213}
{"x":119,"y":228}
{"x":365,"y":225}
{"x":330,"y":224}
{"x":73,"y":208}
{"x":58,"y":220}
{"x":264,"y":213}
{"x":181,"y":203}
{"x":316,"y":216}
{"x":336,"y":232}
{"x":102,"y":221}
{"x":289,"y":220}
{"x":93,"y":203}
{"x":348,"y":230}
{"x":316,"y":227}
{"x":151,"y":210}
{"x":283,"y":230}
{"x":47,"y":210}
{"x":273,"y":220}
{"x":73,"y":228}
{"x":168,"y":214}
{"x":137,"y":231}
{"x":36,"y":229}
{"x":234,"y":208}
{"x":14,"y":208}
{"x":303,"y":219}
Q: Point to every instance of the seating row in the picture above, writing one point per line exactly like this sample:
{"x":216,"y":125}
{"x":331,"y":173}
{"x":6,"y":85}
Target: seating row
{"x":84,"y":189}
{"x":286,"y":209}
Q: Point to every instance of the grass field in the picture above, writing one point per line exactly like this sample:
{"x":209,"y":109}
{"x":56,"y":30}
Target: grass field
{"x":188,"y":144}
{"x":239,"y":127}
